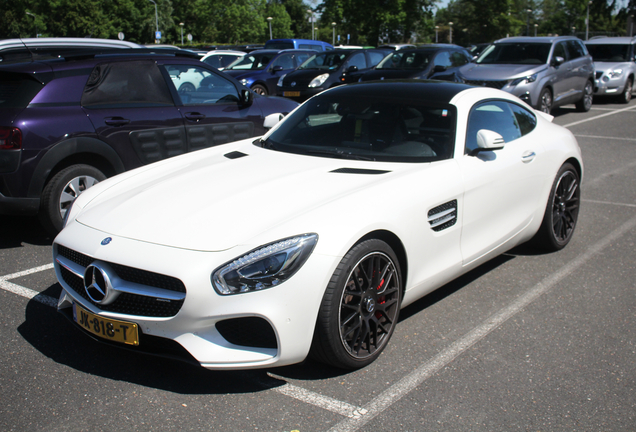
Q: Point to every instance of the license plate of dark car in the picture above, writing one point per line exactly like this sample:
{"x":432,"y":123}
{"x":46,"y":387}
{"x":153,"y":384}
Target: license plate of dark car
{"x":106,"y":328}
{"x":291,"y":93}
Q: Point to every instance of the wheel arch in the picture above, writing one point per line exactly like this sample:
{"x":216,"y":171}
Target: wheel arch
{"x":84,"y":150}
{"x":577,"y":166}
{"x":396,"y":244}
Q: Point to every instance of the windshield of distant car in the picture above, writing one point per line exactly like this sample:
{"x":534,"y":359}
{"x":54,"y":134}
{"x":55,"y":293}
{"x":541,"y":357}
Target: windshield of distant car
{"x":609,"y":53}
{"x":252,"y":62}
{"x":407,"y":60}
{"x":324,"y":61}
{"x":515,"y":53}
{"x":367,"y":128}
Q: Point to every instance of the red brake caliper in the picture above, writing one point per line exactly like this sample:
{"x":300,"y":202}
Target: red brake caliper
{"x":381,"y":300}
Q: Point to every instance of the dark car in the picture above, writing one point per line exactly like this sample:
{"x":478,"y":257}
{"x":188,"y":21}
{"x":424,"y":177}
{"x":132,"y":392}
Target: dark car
{"x":328,"y":69}
{"x":437,"y":61}
{"x":69,"y":122}
{"x":260,"y":70}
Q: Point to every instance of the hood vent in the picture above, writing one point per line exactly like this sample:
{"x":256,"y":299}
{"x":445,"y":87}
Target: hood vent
{"x":443,"y":216}
{"x":234,"y":155}
{"x":358,"y":171}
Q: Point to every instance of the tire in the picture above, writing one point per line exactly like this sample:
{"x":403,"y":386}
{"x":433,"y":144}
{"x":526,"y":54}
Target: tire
{"x":562,"y":211}
{"x":545,"y":101}
{"x":360,"y":308}
{"x":626,"y":96}
{"x":60,"y":192}
{"x":187,"y":87}
{"x":585,"y":104}
{"x":260,"y":89}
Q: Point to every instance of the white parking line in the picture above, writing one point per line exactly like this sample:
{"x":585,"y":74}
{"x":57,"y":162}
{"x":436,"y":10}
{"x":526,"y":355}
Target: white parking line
{"x":609,"y":203}
{"x":407,"y":384}
{"x":605,"y":138}
{"x":27,"y":292}
{"x":600,"y":116}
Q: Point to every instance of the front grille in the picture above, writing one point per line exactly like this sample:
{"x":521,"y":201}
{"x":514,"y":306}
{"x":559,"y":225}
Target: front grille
{"x":127,"y":303}
{"x":599,"y":74}
{"x":250,"y":331}
{"x":492,"y":84}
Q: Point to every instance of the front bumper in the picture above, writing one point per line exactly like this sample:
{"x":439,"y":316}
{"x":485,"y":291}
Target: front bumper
{"x":606,"y":86}
{"x":218,"y":332}
{"x":298,"y":94}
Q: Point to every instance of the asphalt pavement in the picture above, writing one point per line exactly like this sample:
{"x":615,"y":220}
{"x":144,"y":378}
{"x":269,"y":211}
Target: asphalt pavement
{"x":530,"y":342}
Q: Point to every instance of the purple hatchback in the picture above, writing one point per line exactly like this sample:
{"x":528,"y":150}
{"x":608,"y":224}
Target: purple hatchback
{"x":69,"y":122}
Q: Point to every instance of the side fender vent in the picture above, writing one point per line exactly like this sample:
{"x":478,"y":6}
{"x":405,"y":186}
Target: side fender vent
{"x":358,"y":171}
{"x":443,"y":216}
{"x":234,"y":155}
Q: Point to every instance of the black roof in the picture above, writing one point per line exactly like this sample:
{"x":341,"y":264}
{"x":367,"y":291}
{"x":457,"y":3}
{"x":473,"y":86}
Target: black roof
{"x":425,"y":90}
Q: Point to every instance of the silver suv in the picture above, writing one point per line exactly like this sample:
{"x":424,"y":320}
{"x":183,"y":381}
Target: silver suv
{"x":615,"y":66}
{"x":545,"y":72}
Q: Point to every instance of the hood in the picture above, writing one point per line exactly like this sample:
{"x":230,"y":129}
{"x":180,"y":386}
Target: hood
{"x":215,"y":199}
{"x":386,"y":74}
{"x":493,"y":72}
{"x":303,"y":77}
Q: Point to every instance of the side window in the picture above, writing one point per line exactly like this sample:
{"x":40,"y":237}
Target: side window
{"x":126,"y":84}
{"x":302,"y":58}
{"x":358,"y":60}
{"x":496,"y":116}
{"x":526,"y":120}
{"x":442,"y":59}
{"x":286,"y":61}
{"x":458,"y":59}
{"x":559,"y":51}
{"x":199,"y":86}
{"x":375,"y":58}
{"x":575,"y":50}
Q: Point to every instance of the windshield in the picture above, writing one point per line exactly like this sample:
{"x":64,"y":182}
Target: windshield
{"x":324,"y":61}
{"x":252,"y":62}
{"x":516,"y":53}
{"x":367,"y":128}
{"x":609,"y":53}
{"x":407,"y":60}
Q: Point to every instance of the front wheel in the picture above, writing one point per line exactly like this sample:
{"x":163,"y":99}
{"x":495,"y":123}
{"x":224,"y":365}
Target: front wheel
{"x":585,"y":104}
{"x":562,"y":211}
{"x":626,"y":96}
{"x":360,"y":307}
{"x":259,"y":89}
{"x":60,"y":192}
{"x":545,"y":101}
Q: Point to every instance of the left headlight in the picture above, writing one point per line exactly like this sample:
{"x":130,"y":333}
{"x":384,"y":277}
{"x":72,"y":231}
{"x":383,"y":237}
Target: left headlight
{"x":615,"y":73}
{"x":528,"y":79}
{"x":264,"y":267}
{"x":319,"y":80}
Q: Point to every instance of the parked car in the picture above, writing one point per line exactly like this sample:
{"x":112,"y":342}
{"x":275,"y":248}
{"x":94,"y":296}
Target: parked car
{"x":68,"y":123}
{"x":309,"y":240}
{"x":545,"y":72}
{"x":326,"y":70}
{"x":260,"y":70}
{"x":477,"y":49}
{"x":304,"y":44}
{"x":615,"y":63}
{"x":21,"y":49}
{"x":436,"y":61}
{"x":222,"y":58}
{"x":397,"y":46}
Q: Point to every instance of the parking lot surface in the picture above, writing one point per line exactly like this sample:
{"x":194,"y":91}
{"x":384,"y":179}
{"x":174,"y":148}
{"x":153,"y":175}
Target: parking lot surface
{"x":528,"y":341}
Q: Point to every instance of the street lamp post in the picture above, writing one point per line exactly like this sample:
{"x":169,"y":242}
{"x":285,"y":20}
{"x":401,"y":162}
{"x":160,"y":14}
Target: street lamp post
{"x":156,"y":18}
{"x":269,"y":20}
{"x":587,"y":20}
{"x":311,"y":20}
{"x":34,"y":23}
{"x":451,"y":32}
{"x":535,"y":29}
{"x":436,"y":30}
{"x":528,"y":22}
{"x":181,"y":24}
{"x":333,"y":39}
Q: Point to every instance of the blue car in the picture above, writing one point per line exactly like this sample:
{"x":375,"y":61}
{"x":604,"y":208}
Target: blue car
{"x":260,"y":70}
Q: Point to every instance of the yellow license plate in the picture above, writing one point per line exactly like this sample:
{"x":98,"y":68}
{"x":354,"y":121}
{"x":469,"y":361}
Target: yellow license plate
{"x":106,"y":328}
{"x":291,"y":94}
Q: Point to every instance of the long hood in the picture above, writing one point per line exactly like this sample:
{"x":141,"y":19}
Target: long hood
{"x":391,"y":74}
{"x":491,"y":72}
{"x":215,"y":199}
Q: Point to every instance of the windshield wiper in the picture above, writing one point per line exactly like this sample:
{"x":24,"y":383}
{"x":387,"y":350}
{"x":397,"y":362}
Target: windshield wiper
{"x":339,"y":154}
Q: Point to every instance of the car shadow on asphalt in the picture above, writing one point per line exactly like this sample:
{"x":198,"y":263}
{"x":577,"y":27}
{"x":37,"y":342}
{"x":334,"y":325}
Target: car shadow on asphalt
{"x":16,"y":230}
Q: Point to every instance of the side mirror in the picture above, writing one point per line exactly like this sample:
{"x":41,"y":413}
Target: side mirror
{"x":246,"y":97}
{"x":352,"y":69}
{"x":439,"y":68}
{"x":272,"y":120}
{"x":277,"y":68}
{"x":488,"y":140}
{"x":558,"y":60}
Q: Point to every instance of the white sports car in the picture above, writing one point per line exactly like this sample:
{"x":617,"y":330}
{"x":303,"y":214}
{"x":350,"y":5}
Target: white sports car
{"x":309,"y":240}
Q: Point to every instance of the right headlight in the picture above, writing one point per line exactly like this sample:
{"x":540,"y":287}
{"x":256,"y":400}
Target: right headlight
{"x":264,"y":267}
{"x":280,"y":80}
{"x":318,"y":81}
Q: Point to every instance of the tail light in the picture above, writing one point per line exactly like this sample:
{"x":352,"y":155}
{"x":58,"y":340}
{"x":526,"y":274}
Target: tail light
{"x":10,"y":138}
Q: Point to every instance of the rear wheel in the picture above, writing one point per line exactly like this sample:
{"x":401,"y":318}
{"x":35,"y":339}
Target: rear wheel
{"x":585,"y":104}
{"x":259,"y":89}
{"x":60,"y":192}
{"x":187,"y":87}
{"x":360,"y":308}
{"x":562,"y":211}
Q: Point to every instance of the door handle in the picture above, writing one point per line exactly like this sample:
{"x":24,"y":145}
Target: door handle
{"x":528,"y":156}
{"x":116,"y":121}
{"x":194,"y":116}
